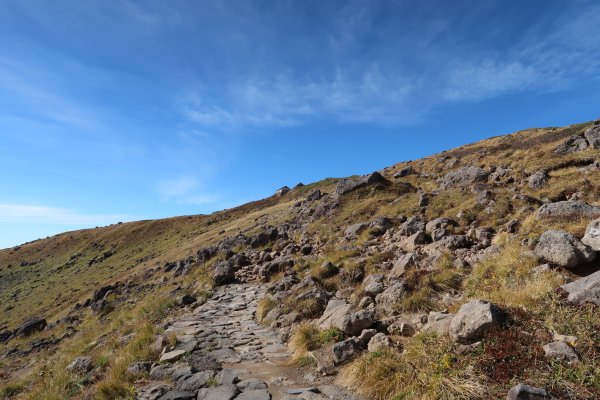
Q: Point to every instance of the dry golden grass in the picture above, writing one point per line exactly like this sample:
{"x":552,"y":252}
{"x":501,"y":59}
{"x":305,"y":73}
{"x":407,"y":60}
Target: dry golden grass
{"x":264,"y":306}
{"x":425,"y":370}
{"x":508,"y":278}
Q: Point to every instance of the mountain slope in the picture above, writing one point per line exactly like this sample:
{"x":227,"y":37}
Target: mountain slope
{"x":355,"y":237}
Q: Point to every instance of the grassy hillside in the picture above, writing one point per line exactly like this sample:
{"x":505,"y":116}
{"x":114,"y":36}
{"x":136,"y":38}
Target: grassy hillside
{"x":48,"y":277}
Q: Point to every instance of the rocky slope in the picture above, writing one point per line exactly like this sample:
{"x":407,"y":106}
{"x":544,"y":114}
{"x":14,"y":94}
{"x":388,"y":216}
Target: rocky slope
{"x":471,"y":274}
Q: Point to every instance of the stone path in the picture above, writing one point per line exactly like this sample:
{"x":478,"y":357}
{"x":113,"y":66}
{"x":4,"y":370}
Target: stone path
{"x":223,"y":353}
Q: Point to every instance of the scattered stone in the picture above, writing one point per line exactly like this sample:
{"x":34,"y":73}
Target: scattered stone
{"x":81,"y":365}
{"x":346,"y":350}
{"x":562,"y":352}
{"x":224,"y":273}
{"x":172,"y":356}
{"x":379,"y":342}
{"x":314,"y":195}
{"x":584,"y":290}
{"x":571,"y":145}
{"x":563,"y":249}
{"x":474,"y":319}
{"x":438,"y":322}
{"x":178,"y":395}
{"x":568,"y":209}
{"x":403,"y":262}
{"x":348,"y":185}
{"x":186,"y":300}
{"x":592,"y":135}
{"x":463,"y":177}
{"x":592,"y":235}
{"x":224,"y":392}
{"x":259,"y":394}
{"x":31,"y":326}
{"x":539,"y":179}
{"x":391,"y":295}
{"x":404,"y":172}
{"x":526,"y":392}
{"x":139,"y":368}
{"x":412,"y":225}
{"x":354,"y":230}
{"x":282,"y":191}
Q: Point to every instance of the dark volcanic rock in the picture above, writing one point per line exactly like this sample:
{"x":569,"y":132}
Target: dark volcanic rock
{"x":348,"y":185}
{"x":30,"y":326}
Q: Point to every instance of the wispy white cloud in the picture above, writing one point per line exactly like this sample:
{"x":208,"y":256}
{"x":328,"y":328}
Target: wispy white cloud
{"x":23,"y":213}
{"x":472,"y":82}
{"x":288,"y":100}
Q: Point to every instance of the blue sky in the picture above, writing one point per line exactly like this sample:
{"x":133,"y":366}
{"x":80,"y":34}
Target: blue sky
{"x":124,"y":110}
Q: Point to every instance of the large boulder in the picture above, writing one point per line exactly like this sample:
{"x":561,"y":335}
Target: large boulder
{"x":338,"y":314}
{"x":592,"y":235}
{"x":584,"y":290}
{"x":31,"y":326}
{"x":334,"y":314}
{"x":379,"y":342}
{"x":464,"y":177}
{"x":592,"y":135}
{"x":438,"y":323}
{"x":224,"y":273}
{"x":571,"y":145}
{"x":568,"y":209}
{"x":563,"y":249}
{"x":391,"y":295}
{"x":440,"y":223}
{"x":413,"y":225}
{"x":538,"y":179}
{"x":526,"y":392}
{"x":561,"y":351}
{"x":348,"y":185}
{"x":346,"y":350}
{"x":474,"y":319}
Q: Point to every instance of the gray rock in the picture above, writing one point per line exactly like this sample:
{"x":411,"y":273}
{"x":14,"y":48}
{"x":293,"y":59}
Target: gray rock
{"x":195,"y":381}
{"x":404,"y":172}
{"x":454,"y":242}
{"x":563,"y":249}
{"x":225,"y":392}
{"x":592,"y":235}
{"x":281,"y":191}
{"x":178,"y":395}
{"x":438,"y":322}
{"x":592,"y":135}
{"x":258,"y":394}
{"x":568,"y":209}
{"x":463,"y":177}
{"x":81,"y":365}
{"x":355,"y":230}
{"x":151,"y":391}
{"x":314,"y":195}
{"x":571,"y":145}
{"x":139,"y":368}
{"x":403,"y":262}
{"x":438,"y":223}
{"x":562,"y":352}
{"x":172,"y":356}
{"x":251,"y":384}
{"x":474,"y":319}
{"x":392,"y":294}
{"x":380,"y":225}
{"x":412,"y":225}
{"x":224,"y":273}
{"x":350,"y":184}
{"x":526,"y":392}
{"x":334,"y":314}
{"x":31,"y":326}
{"x":346,"y":350}
{"x":584,"y":290}
{"x":538,"y":179}
{"x":379,"y":342}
